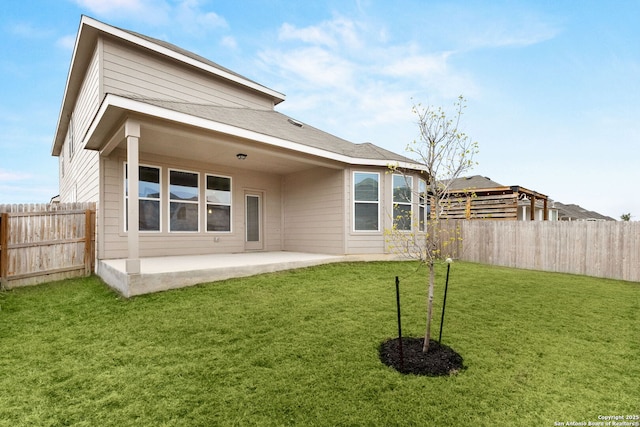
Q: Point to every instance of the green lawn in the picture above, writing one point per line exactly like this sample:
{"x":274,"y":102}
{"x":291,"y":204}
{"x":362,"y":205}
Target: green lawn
{"x":301,"y":348}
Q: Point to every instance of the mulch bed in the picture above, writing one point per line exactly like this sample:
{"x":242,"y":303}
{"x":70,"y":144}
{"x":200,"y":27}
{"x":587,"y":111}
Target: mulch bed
{"x":438,"y":361}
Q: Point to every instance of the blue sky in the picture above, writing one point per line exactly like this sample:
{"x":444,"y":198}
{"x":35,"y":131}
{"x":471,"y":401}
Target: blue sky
{"x":552,"y":87}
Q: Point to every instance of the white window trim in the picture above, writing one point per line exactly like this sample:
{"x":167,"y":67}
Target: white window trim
{"x":125,"y":197}
{"x":354,"y":201}
{"x":423,"y":206}
{"x":409,"y":203}
{"x":206,"y":203}
{"x":169,"y":200}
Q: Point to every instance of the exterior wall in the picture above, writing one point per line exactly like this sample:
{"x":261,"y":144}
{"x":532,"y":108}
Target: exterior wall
{"x":368,"y":242}
{"x":377,"y":242}
{"x":314,"y":211}
{"x":79,"y":173}
{"x":134,"y":71}
{"x":165,"y":243}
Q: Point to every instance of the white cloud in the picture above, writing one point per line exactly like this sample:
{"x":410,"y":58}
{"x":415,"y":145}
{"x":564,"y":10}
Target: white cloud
{"x":493,"y":27}
{"x":11,"y":176}
{"x":112,"y":7}
{"x":364,"y":82}
{"x":66,"y":42}
{"x":338,"y":32}
{"x":417,"y":65}
{"x":193,"y":20}
{"x":507,"y":36}
{"x":28,"y":192}
{"x":229,"y":42}
{"x":186,"y":16}
{"x":315,"y":65}
{"x":28,"y":31}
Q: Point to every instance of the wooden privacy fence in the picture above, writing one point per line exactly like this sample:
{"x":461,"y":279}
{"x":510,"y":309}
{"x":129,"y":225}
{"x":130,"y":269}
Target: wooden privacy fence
{"x":608,"y":249}
{"x":44,"y":242}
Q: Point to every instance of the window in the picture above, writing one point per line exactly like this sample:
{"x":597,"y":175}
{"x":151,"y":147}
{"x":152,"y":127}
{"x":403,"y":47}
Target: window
{"x":70,"y":138}
{"x":148,"y":198}
{"x":424,"y":209}
{"x":183,"y":201}
{"x":402,"y":195}
{"x":366,"y":201}
{"x":218,"y":203}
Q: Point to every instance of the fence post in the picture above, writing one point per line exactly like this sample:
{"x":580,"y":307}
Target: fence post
{"x":4,"y":248}
{"x":87,"y":242}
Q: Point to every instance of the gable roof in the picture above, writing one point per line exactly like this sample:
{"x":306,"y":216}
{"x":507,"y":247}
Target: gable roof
{"x":278,"y":125}
{"x":573,"y":212}
{"x":483,"y":184}
{"x":473,"y":182}
{"x":88,"y":33}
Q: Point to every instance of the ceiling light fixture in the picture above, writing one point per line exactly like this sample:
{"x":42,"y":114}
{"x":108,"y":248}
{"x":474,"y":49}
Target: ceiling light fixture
{"x":241,"y":156}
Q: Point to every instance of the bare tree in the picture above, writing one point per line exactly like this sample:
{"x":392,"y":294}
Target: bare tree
{"x":446,"y":153}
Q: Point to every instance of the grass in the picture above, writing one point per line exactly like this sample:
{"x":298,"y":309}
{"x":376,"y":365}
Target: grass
{"x":300,"y":348}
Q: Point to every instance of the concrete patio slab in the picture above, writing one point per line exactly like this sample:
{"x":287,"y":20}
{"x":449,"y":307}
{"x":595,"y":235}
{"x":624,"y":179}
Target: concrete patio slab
{"x":171,"y":272}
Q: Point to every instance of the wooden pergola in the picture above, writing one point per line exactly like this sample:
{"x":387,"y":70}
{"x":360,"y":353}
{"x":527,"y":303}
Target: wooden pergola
{"x":496,"y":203}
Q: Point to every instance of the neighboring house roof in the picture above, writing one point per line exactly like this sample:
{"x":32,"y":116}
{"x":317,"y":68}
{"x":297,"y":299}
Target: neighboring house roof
{"x":573,"y":212}
{"x":473,"y":182}
{"x":485,"y":185}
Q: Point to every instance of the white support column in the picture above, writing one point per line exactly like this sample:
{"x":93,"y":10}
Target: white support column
{"x":132,"y":135}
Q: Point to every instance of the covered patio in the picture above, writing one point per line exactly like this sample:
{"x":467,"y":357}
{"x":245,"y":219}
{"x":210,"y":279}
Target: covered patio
{"x":172,"y":272}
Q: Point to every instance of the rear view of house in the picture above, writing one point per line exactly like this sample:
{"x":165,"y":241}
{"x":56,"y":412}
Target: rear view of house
{"x":217,"y":169}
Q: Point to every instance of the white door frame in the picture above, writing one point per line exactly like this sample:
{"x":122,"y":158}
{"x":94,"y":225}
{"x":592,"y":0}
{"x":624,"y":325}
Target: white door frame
{"x":253,"y":220}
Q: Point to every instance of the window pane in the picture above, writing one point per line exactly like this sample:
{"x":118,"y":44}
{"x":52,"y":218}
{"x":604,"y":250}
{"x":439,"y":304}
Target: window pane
{"x":218,"y":183}
{"x":402,"y":188}
{"x":218,"y":218}
{"x":366,"y":187}
{"x":366,"y":216}
{"x":219,"y":190}
{"x":183,"y":216}
{"x":149,"y":215}
{"x":402,"y":217}
{"x":149,"y":219}
{"x":183,"y":185}
{"x":148,"y":182}
{"x":253,"y":219}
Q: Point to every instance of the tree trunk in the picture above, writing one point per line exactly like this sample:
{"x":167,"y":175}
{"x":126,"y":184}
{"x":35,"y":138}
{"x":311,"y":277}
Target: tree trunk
{"x":432,"y":280}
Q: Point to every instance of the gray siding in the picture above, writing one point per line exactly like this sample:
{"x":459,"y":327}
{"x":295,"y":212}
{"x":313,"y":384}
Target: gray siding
{"x":166,"y":243}
{"x":314,"y":211}
{"x":134,"y":71}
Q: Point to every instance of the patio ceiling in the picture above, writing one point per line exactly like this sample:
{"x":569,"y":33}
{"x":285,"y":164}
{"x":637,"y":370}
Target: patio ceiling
{"x":210,"y":147}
